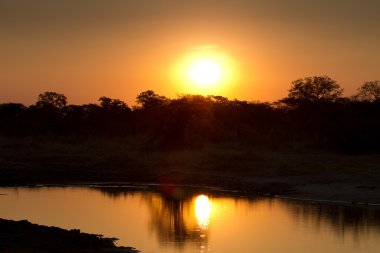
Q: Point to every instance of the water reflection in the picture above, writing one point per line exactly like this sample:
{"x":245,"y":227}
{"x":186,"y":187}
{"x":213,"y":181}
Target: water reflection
{"x":202,"y":211}
{"x":175,"y":222}
{"x":175,"y":219}
{"x":180,"y":215}
{"x":343,"y":219}
{"x":167,"y":219}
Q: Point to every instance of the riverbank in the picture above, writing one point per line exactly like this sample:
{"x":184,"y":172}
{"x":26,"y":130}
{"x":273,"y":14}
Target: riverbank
{"x":291,"y":172}
{"x":25,"y":237}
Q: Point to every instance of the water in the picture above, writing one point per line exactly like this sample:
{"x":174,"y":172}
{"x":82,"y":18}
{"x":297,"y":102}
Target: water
{"x":175,"y":219}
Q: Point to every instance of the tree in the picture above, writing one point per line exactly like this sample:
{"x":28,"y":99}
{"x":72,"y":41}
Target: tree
{"x":51,"y":99}
{"x":12,"y":108}
{"x":218,"y":99}
{"x":115,"y":105}
{"x":369,"y":91}
{"x":12,"y":117}
{"x":315,"y":89}
{"x":149,"y":99}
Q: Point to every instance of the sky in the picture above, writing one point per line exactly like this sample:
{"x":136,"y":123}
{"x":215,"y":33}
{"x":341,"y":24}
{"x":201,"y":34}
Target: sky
{"x":86,"y":49}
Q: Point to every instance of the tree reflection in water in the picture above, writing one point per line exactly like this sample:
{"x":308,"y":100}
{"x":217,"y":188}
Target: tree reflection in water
{"x":174,"y":218}
{"x":180,"y":215}
{"x":357,"y":220}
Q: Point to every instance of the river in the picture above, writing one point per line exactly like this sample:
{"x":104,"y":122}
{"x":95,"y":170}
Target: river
{"x":178,"y":219}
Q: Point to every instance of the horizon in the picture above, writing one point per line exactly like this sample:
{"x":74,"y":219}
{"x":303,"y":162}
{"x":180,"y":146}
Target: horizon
{"x":88,"y":49}
{"x":177,"y":96}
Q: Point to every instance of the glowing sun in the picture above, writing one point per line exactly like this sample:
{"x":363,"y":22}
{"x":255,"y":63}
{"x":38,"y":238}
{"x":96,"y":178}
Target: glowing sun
{"x":205,"y":72}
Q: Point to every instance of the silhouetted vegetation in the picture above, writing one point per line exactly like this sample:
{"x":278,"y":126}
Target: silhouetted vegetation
{"x":314,"y":115}
{"x":369,"y":91}
{"x":23,"y":236}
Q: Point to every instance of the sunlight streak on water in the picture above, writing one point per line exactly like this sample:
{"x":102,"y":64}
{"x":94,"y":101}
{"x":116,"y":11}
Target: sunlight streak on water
{"x":202,"y":211}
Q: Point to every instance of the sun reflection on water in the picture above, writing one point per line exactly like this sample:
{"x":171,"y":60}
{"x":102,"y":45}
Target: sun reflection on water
{"x":202,"y":211}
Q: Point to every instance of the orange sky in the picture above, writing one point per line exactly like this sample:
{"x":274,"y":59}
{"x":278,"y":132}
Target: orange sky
{"x":118,"y":48}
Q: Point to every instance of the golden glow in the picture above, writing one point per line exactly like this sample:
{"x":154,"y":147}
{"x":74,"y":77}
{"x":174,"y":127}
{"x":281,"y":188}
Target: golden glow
{"x":202,"y":211}
{"x":205,"y":70}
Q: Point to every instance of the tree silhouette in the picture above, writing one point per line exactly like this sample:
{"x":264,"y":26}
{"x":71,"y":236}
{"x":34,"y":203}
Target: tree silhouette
{"x":369,"y":91}
{"x":51,"y":99}
{"x":315,"y":89}
{"x":313,"y":114}
{"x":149,"y":99}
{"x":113,"y":104}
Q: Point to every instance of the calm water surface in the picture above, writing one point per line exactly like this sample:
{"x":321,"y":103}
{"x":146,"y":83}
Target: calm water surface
{"x":175,"y":219}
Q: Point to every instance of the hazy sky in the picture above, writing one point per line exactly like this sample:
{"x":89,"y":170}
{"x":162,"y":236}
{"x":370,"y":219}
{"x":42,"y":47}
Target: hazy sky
{"x":118,"y":48}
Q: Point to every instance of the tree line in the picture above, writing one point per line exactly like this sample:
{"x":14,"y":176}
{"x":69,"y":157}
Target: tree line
{"x":314,"y":114}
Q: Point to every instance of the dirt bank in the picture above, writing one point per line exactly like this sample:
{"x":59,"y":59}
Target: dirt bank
{"x":22,"y":236}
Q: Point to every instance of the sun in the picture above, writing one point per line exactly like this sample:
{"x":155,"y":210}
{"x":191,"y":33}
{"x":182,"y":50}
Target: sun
{"x":205,"y":72}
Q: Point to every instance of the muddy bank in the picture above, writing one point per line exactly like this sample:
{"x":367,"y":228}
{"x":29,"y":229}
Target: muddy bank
{"x":25,"y":237}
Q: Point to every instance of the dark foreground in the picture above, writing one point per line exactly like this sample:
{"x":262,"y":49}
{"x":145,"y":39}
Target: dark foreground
{"x":22,"y":236}
{"x":288,"y":171}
